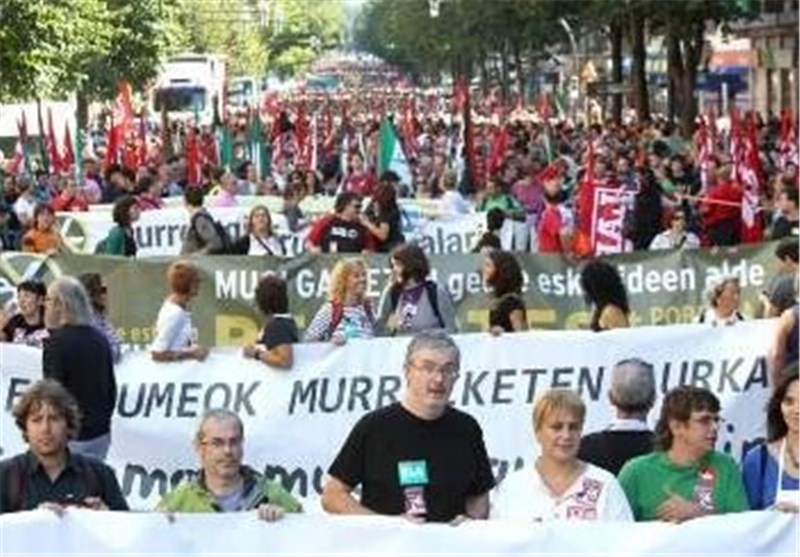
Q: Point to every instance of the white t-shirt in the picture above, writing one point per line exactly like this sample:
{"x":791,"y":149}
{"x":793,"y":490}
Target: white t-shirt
{"x":260,"y":246}
{"x":173,"y":328}
{"x":665,"y":240}
{"x":594,"y":495}
{"x":24,"y":208}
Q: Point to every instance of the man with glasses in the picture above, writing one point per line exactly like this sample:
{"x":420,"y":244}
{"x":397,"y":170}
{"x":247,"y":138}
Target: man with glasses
{"x":419,"y":458}
{"x":223,"y":483}
{"x":685,"y":478}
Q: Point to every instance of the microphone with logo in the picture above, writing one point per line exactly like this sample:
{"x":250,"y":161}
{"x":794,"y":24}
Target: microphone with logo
{"x":413,"y":477}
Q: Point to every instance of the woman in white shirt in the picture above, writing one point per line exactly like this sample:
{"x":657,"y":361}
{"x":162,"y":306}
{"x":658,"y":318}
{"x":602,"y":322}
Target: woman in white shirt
{"x":723,"y":297}
{"x":676,"y":236}
{"x":173,"y":339}
{"x":559,"y":486}
{"x":260,"y":239}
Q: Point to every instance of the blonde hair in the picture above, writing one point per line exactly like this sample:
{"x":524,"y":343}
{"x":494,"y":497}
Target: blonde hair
{"x":337,"y":288}
{"x":555,"y":400}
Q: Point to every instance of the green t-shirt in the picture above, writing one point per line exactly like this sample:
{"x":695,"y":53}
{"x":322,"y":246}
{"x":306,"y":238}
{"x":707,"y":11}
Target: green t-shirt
{"x":649,"y":480}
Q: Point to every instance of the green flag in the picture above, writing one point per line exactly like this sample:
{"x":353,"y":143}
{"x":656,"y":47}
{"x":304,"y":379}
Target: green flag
{"x":391,"y":155}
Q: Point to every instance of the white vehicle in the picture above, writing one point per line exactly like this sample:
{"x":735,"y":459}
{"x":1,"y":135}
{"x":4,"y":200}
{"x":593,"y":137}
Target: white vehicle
{"x":190,"y":84}
{"x":243,"y":91}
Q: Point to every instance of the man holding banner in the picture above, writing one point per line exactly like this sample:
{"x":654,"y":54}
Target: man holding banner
{"x":224,"y":484}
{"x":686,"y":478}
{"x":419,"y":458}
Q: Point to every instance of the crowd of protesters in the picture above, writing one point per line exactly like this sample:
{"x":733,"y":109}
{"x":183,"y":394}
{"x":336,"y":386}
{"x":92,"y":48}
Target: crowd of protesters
{"x":538,"y":168}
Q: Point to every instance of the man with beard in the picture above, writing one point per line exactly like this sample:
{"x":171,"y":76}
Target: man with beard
{"x":419,"y":458}
{"x":557,"y":225}
{"x":49,"y":475}
{"x":685,"y":478}
{"x":223,"y":483}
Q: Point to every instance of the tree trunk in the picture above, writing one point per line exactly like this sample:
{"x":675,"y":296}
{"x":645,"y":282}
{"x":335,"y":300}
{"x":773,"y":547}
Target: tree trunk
{"x":674,"y":76}
{"x":616,"y":68}
{"x":692,"y":48}
{"x":82,"y":110}
{"x":520,"y":73}
{"x":504,"y":72}
{"x":641,"y":102}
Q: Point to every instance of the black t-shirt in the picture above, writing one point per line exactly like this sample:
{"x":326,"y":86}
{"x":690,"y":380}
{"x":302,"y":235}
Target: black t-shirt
{"x":500,"y":314}
{"x":19,"y":331}
{"x":393,"y":220}
{"x":784,"y":227}
{"x":450,"y":450}
{"x":611,"y":449}
{"x":347,"y":237}
{"x":279,"y":330}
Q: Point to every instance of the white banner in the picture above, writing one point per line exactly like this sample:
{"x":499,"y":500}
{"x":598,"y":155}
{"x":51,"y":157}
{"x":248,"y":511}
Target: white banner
{"x":160,"y":232}
{"x":296,"y":421}
{"x":82,"y":532}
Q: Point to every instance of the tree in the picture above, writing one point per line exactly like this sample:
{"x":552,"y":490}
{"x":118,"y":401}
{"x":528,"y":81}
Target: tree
{"x":684,"y":25}
{"x":42,"y":42}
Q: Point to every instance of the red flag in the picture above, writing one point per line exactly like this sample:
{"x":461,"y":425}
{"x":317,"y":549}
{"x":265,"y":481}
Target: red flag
{"x":787,"y":144}
{"x":122,"y":124}
{"x":193,"y":173}
{"x":751,"y":175}
{"x":68,"y":160}
{"x":143,"y":138}
{"x":20,"y":163}
{"x":497,"y":151}
{"x":585,"y":198}
{"x":52,"y":145}
{"x":301,"y":135}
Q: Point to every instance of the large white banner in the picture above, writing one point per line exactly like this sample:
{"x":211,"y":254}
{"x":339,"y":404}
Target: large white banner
{"x":82,"y":532}
{"x":296,"y":420}
{"x":159,"y":232}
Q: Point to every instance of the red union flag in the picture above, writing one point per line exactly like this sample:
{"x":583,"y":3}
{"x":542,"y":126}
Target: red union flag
{"x":607,"y":215}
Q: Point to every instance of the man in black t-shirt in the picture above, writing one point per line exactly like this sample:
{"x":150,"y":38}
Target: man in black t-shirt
{"x":341,"y":232}
{"x":419,"y":458}
{"x":632,"y":393}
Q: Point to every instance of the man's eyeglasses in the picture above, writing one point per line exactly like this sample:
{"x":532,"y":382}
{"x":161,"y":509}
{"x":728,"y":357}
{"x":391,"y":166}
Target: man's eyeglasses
{"x":429,"y":369}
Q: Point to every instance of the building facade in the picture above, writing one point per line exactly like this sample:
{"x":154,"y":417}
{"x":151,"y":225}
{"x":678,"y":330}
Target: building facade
{"x":774,"y":65}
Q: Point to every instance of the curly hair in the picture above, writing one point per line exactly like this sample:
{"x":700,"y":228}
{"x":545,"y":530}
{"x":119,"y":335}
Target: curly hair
{"x":776,"y":424}
{"x":53,"y":394}
{"x":507,"y":278}
{"x":340,"y":275}
{"x":602,"y":285}
{"x":678,"y":405}
{"x":715,"y":288}
{"x":121,"y":213}
{"x":271,"y":296}
{"x":414,"y":261}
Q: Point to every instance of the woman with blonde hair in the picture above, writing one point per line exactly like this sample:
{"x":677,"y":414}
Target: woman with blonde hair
{"x":559,"y":486}
{"x":722,"y":299}
{"x":259,"y":238}
{"x":347,"y":313}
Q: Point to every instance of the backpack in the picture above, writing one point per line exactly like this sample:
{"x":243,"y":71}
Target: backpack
{"x":219,"y":229}
{"x":431,"y":288}
{"x":18,"y":480}
{"x":337,"y":314}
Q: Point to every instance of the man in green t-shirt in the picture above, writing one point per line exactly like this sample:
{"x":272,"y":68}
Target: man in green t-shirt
{"x":686,"y":478}
{"x":223,"y":484}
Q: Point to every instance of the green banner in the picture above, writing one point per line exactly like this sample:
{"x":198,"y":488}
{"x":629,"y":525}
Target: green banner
{"x":663,"y":287}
